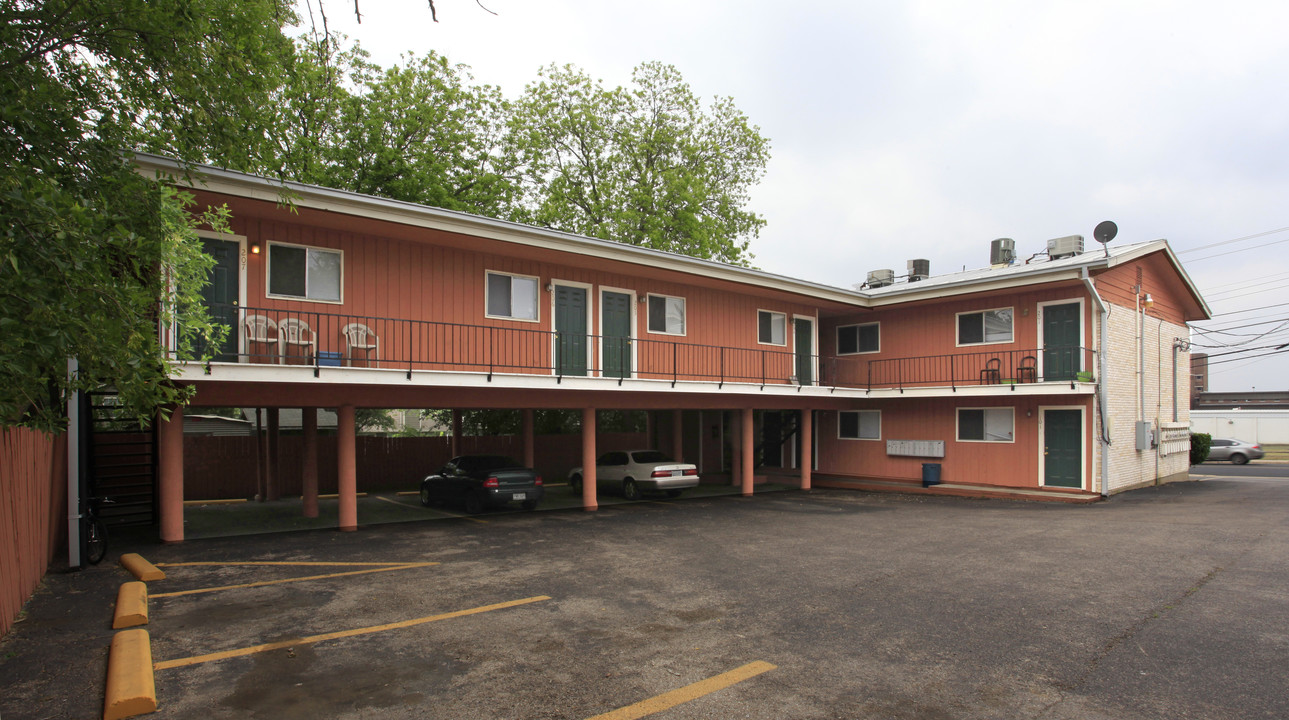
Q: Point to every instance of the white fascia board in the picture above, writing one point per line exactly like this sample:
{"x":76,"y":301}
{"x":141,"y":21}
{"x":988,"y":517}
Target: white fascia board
{"x":254,"y":187}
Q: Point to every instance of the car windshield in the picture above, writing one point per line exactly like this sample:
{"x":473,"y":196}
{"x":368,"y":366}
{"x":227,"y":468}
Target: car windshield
{"x":486,"y":463}
{"x":649,"y":456}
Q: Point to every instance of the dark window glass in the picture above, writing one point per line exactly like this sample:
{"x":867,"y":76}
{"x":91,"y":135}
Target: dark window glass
{"x":657,"y":314}
{"x":971,"y":424}
{"x":499,"y":295}
{"x":870,"y":339}
{"x":971,"y":329}
{"x":287,"y":270}
{"x":649,"y":456}
{"x":848,"y":340}
{"x":849,"y":424}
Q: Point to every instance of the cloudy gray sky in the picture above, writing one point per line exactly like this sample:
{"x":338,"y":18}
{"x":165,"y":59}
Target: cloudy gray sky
{"x":927,"y":128}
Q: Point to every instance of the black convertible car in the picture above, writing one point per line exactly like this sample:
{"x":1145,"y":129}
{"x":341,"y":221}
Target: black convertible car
{"x":479,"y":482}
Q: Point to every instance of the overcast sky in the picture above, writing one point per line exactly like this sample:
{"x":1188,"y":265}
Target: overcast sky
{"x":927,"y":128}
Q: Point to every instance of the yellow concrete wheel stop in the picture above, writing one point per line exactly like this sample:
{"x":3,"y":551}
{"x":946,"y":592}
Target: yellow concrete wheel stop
{"x":131,"y":606}
{"x":142,"y":569}
{"x":130,"y":687}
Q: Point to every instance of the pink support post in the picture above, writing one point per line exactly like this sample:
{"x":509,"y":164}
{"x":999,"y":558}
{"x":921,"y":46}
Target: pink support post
{"x":309,"y":464}
{"x":588,"y":460}
{"x":272,"y":481}
{"x":747,"y":447}
{"x":736,"y":452}
{"x":346,"y":469}
{"x":807,"y":442}
{"x":170,"y":485}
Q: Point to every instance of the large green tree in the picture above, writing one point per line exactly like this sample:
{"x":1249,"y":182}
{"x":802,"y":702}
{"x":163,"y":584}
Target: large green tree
{"x":645,"y":165}
{"x":419,"y":131}
{"x":95,"y":259}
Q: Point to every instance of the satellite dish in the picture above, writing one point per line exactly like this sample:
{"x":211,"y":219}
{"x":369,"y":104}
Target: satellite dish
{"x":1104,"y":233}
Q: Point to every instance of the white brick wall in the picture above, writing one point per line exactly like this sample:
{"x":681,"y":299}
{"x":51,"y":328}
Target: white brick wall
{"x":1130,"y":467}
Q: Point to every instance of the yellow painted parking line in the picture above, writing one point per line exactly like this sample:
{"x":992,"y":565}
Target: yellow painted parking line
{"x":262,"y":583}
{"x":689,"y":692}
{"x":454,"y":515}
{"x":198,"y":659}
{"x":301,"y":563}
{"x":395,"y":502}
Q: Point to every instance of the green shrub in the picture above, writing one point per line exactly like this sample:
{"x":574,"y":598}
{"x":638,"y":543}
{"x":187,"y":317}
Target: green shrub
{"x":1200,"y":443}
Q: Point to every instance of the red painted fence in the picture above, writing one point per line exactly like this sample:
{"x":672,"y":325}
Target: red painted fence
{"x":218,"y":467}
{"x":33,"y":500}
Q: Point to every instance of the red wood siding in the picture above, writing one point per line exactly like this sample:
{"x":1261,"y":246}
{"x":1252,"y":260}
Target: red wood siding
{"x":439,"y":277}
{"x":33,"y":500}
{"x":931,"y":329}
{"x":1173,"y":302}
{"x":1014,"y":464}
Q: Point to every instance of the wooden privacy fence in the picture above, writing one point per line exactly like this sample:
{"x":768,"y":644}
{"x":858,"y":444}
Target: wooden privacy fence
{"x":33,"y":499}
{"x":220,"y":467}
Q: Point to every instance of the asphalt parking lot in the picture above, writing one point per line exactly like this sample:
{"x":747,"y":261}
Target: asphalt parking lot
{"x":1169,"y":602}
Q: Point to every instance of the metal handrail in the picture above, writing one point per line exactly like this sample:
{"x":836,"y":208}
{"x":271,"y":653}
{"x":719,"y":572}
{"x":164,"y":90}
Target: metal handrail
{"x":316,"y":340}
{"x":954,"y":370}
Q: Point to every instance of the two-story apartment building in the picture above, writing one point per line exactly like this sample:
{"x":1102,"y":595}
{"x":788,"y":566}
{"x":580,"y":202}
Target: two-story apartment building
{"x":1048,"y":378}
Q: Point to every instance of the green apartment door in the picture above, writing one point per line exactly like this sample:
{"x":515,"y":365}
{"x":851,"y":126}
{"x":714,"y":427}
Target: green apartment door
{"x":1062,"y":338}
{"x":221,"y":295}
{"x":1063,"y":448}
{"x":570,"y":330}
{"x":615,"y":327}
{"x":804,"y":331}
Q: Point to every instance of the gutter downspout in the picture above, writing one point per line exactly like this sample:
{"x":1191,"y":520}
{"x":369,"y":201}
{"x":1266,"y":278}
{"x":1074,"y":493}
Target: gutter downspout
{"x":1104,"y":364}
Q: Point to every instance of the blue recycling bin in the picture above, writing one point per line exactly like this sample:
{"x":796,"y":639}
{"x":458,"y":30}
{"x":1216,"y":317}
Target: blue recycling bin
{"x":930,"y":474}
{"x":329,"y":358}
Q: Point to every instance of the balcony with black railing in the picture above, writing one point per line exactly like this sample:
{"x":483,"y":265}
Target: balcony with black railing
{"x":324,"y":340}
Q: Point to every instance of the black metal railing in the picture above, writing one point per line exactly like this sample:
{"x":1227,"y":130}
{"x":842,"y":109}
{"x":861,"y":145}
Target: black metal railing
{"x":954,"y":370}
{"x":335,"y":339}
{"x":323,"y":339}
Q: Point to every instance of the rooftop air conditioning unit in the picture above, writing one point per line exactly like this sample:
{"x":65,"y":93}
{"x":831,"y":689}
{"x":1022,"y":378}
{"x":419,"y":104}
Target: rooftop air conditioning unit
{"x":881,"y":278}
{"x":919,"y":270}
{"x":1067,"y":246}
{"x":1002,"y":251}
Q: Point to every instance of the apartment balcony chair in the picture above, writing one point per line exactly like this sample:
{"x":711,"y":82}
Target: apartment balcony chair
{"x":358,"y":336}
{"x":296,"y":332}
{"x":260,"y":330}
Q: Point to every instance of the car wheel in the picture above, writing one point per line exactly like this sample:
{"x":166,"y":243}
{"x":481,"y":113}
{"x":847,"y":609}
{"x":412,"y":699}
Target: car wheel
{"x":673,"y":493}
{"x":575,"y":482}
{"x":425,"y":495}
{"x":1238,"y":459}
{"x":630,"y":490}
{"x":473,"y":504}
{"x":529,"y":504}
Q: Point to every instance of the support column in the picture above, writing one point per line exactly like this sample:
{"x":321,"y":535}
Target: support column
{"x":807,"y":442}
{"x":749,"y":460}
{"x":346,"y":467}
{"x":456,"y":433}
{"x":170,"y":484}
{"x":261,"y":457}
{"x":736,"y":449}
{"x":309,"y":464}
{"x":272,"y":481}
{"x":677,"y":436}
{"x":588,"y":460}
{"x":530,"y":445}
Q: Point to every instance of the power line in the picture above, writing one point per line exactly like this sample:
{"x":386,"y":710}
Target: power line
{"x":1232,"y":252}
{"x":1235,"y":240}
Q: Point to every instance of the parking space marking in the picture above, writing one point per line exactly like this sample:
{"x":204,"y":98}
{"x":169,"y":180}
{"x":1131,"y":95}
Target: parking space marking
{"x":198,"y":659}
{"x":454,"y":515}
{"x":385,"y":567}
{"x":689,"y":692}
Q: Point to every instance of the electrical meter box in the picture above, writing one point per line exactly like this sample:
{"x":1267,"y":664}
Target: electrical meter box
{"x":1145,"y":435}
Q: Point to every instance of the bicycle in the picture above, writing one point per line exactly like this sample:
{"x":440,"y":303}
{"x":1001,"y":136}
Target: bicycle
{"x":94,"y":531}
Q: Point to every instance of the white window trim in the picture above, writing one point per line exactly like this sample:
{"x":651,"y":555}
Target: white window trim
{"x":865,"y":410}
{"x":537,"y":301}
{"x":957,"y":425}
{"x":956,"y":325}
{"x":268,"y":272}
{"x":632,"y":326}
{"x":879,"y":338}
{"x":651,"y":331}
{"x":1085,"y":465}
{"x":786,"y":330}
{"x":1038,"y":321}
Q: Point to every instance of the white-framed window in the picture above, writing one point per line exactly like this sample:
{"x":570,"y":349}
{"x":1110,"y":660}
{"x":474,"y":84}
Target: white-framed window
{"x":513,"y":297}
{"x":987,"y":425}
{"x":859,"y":339}
{"x":985,"y":326}
{"x":859,"y":424}
{"x":301,"y":272}
{"x":771,"y":327}
{"x":666,"y":314}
